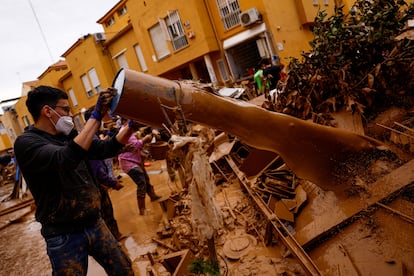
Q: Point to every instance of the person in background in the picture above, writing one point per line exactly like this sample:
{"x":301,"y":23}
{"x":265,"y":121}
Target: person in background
{"x":131,"y":161}
{"x":19,"y":184}
{"x":272,"y":74}
{"x":53,"y":158}
{"x":108,"y":132}
{"x":5,"y":160}
{"x":259,"y":77}
{"x":105,"y":180}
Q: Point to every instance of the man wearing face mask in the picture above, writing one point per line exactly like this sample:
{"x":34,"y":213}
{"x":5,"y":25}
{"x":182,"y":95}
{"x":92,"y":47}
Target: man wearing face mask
{"x":53,"y":159}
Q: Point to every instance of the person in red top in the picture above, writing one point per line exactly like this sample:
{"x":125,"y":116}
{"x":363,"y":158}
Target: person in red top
{"x":131,"y":163}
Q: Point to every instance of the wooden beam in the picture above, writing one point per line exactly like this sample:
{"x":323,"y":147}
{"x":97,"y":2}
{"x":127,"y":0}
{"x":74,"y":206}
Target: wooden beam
{"x":325,"y":223}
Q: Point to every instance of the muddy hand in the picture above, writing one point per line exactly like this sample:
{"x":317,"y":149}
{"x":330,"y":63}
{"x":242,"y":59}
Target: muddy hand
{"x":103,"y":103}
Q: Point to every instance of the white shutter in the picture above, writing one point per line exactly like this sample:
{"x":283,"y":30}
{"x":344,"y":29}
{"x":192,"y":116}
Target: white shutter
{"x":94,"y":77}
{"x":73,"y":97}
{"x":141,"y":58}
{"x":159,"y":42}
{"x":86,"y":85}
{"x":164,"y":29}
{"x":122,"y":61}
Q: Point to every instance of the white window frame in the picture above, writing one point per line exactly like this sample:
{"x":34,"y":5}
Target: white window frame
{"x":72,"y":96}
{"x":11,"y":134}
{"x":122,"y":11}
{"x":122,"y":62}
{"x":141,"y":58}
{"x":229,"y":11}
{"x":26,"y":120}
{"x":78,"y":121}
{"x":222,"y":69}
{"x":93,"y":76}
{"x":175,"y":30}
{"x":87,"y":85}
{"x":159,"y":41}
{"x":110,"y":21}
{"x":2,"y":128}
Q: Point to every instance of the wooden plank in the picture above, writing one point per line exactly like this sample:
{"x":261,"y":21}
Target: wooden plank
{"x":283,"y":233}
{"x":346,"y":209}
{"x":16,"y":206}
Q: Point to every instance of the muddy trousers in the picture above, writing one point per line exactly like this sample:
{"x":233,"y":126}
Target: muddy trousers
{"x":141,"y":179}
{"x":68,"y":253}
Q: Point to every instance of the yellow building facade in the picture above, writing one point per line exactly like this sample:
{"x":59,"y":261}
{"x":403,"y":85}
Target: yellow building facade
{"x":215,"y":41}
{"x":218,"y":41}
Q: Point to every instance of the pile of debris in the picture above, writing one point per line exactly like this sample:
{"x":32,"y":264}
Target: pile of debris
{"x":360,"y":62}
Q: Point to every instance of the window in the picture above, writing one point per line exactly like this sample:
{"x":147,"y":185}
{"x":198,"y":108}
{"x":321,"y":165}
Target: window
{"x":325,"y":2}
{"x":77,"y":121}
{"x":262,"y":48}
{"x":315,"y":2}
{"x":229,"y":12}
{"x":122,"y":61}
{"x":141,"y":58}
{"x":175,"y":30}
{"x":2,"y":129}
{"x":158,"y":41}
{"x":26,"y":120}
{"x":91,"y":82}
{"x":11,"y":134}
{"x":122,"y":11}
{"x":86,"y":85}
{"x":110,"y":22}
{"x":96,"y":84}
{"x":73,"y":97}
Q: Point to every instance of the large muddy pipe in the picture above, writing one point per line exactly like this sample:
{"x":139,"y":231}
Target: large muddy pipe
{"x":313,"y":152}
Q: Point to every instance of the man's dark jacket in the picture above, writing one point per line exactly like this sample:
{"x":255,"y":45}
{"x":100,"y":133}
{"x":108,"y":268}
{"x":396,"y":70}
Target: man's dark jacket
{"x":57,"y":172}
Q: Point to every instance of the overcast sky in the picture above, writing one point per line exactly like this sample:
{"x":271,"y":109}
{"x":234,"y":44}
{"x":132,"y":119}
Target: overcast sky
{"x":35,"y":33}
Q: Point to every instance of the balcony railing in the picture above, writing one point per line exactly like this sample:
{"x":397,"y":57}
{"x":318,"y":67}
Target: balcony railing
{"x":231,"y":20}
{"x":179,"y":42}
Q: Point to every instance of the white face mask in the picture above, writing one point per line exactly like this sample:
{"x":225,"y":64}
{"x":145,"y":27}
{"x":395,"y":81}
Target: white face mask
{"x":64,"y":124}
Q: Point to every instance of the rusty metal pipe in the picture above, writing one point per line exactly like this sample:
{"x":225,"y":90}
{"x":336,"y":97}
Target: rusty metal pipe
{"x":314,"y":152}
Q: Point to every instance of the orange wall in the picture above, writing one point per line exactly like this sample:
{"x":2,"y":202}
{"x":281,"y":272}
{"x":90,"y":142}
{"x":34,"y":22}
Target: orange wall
{"x":193,"y":12}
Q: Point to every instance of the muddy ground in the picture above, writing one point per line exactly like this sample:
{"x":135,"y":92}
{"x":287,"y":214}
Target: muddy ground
{"x":378,"y":242}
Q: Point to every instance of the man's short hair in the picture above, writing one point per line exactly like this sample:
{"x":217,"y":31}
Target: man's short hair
{"x":41,"y":96}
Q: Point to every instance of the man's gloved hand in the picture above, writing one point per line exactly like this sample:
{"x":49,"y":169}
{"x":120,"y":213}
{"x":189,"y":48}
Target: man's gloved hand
{"x":103,"y":103}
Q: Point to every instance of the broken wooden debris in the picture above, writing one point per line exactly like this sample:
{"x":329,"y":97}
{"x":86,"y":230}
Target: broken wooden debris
{"x":164,"y":244}
{"x":282,"y":212}
{"x":384,"y":187}
{"x":283,"y":233}
{"x":177,"y":263}
{"x":403,"y":216}
{"x":17,"y":206}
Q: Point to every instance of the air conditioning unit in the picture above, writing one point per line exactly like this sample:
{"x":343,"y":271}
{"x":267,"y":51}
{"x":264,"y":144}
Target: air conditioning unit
{"x":99,"y":37}
{"x":249,"y":17}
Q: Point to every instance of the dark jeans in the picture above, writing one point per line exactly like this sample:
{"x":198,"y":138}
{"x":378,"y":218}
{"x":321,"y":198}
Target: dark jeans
{"x":68,"y":253}
{"x":141,"y":179}
{"x":107,"y":211}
